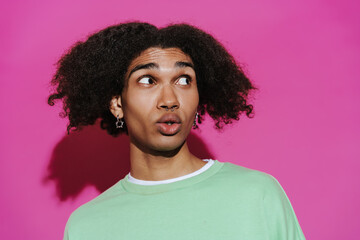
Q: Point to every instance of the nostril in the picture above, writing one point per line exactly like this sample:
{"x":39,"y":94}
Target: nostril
{"x":172,"y":108}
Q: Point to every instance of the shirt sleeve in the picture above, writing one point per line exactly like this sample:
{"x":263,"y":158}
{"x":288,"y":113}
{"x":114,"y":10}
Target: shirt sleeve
{"x":66,"y":233}
{"x":280,"y":216}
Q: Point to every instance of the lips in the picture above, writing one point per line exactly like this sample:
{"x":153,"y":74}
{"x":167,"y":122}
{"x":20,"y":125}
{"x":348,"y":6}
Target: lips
{"x":169,"y":124}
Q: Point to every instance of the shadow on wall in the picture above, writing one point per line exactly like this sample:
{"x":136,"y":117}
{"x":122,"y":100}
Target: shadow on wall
{"x":91,"y":157}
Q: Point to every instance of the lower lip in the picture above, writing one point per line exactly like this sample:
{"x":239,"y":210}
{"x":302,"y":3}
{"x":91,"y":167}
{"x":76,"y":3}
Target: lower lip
{"x":168,"y":130}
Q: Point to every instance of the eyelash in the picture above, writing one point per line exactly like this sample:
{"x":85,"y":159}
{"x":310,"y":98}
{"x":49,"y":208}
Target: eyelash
{"x":153,"y":79}
{"x":146,"y":76}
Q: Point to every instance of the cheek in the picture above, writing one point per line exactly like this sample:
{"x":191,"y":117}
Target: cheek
{"x":137,"y":111}
{"x":191,"y":99}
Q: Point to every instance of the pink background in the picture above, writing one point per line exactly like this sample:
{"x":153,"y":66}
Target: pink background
{"x":303,"y":55}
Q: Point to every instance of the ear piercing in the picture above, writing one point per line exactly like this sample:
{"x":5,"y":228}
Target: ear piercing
{"x":119,"y":122}
{"x":196,"y":118}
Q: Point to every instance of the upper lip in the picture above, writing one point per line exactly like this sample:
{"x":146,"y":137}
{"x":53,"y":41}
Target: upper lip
{"x":171,"y":117}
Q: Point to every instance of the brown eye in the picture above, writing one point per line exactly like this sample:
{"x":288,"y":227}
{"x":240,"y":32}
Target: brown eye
{"x":146,"y":80}
{"x":183,"y":81}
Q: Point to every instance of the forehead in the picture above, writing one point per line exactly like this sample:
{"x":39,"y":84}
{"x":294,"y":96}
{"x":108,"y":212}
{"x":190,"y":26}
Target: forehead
{"x":160,"y":55}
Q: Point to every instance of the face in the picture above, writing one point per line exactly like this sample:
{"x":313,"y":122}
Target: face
{"x":159,"y":100}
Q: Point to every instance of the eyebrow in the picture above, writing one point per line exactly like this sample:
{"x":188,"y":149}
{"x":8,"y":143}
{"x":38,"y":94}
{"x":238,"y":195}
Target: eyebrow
{"x":156,"y":66}
{"x":184,"y":64}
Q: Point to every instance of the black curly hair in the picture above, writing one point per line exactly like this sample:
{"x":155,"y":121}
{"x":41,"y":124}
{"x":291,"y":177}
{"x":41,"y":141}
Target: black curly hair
{"x":93,"y":71}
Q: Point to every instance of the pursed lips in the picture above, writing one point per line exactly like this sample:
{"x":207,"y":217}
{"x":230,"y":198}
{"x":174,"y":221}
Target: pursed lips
{"x":169,"y":118}
{"x":169,"y":124}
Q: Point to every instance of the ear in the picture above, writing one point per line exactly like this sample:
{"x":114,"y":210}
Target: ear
{"x":116,"y":107}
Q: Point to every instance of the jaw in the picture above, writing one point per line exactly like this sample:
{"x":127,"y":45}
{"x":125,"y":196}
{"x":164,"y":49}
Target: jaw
{"x":166,"y":147}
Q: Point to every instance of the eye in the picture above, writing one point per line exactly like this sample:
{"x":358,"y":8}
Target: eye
{"x":184,"y":80}
{"x":146,"y":80}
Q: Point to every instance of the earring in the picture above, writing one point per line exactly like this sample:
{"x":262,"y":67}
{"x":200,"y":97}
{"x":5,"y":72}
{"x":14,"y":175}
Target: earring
{"x":196,"y":117}
{"x":119,"y":122}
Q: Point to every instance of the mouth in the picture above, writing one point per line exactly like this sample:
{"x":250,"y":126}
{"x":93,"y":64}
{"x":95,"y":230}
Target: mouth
{"x":169,"y":124}
{"x":168,"y":129}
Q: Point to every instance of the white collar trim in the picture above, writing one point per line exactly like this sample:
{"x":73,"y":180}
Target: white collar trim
{"x":209,"y":163}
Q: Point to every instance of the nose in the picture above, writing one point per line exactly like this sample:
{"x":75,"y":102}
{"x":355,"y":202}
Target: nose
{"x":168,"y":98}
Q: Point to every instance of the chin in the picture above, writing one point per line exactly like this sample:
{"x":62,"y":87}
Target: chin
{"x":169,"y":145}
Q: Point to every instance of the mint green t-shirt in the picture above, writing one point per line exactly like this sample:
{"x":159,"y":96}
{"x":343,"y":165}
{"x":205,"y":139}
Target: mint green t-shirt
{"x":224,"y":202}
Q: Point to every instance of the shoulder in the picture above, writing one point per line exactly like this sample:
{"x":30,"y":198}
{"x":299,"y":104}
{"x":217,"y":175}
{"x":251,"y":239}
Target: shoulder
{"x":238,"y":180}
{"x":269,"y":196}
{"x":94,"y":209}
{"x":253,"y":179}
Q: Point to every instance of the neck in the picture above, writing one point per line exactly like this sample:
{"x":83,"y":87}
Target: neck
{"x":156,"y":166}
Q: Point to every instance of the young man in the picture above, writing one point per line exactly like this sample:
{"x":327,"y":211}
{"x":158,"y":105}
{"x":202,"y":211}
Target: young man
{"x":155,"y":85}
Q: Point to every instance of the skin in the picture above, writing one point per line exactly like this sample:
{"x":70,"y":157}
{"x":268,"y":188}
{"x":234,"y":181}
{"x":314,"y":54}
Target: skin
{"x":156,"y":80}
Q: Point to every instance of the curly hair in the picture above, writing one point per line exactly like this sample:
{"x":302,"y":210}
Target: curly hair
{"x":93,"y":71}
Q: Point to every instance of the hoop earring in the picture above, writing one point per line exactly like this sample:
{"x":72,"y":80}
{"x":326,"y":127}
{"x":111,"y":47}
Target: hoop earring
{"x":119,"y":122}
{"x":196,"y":118}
